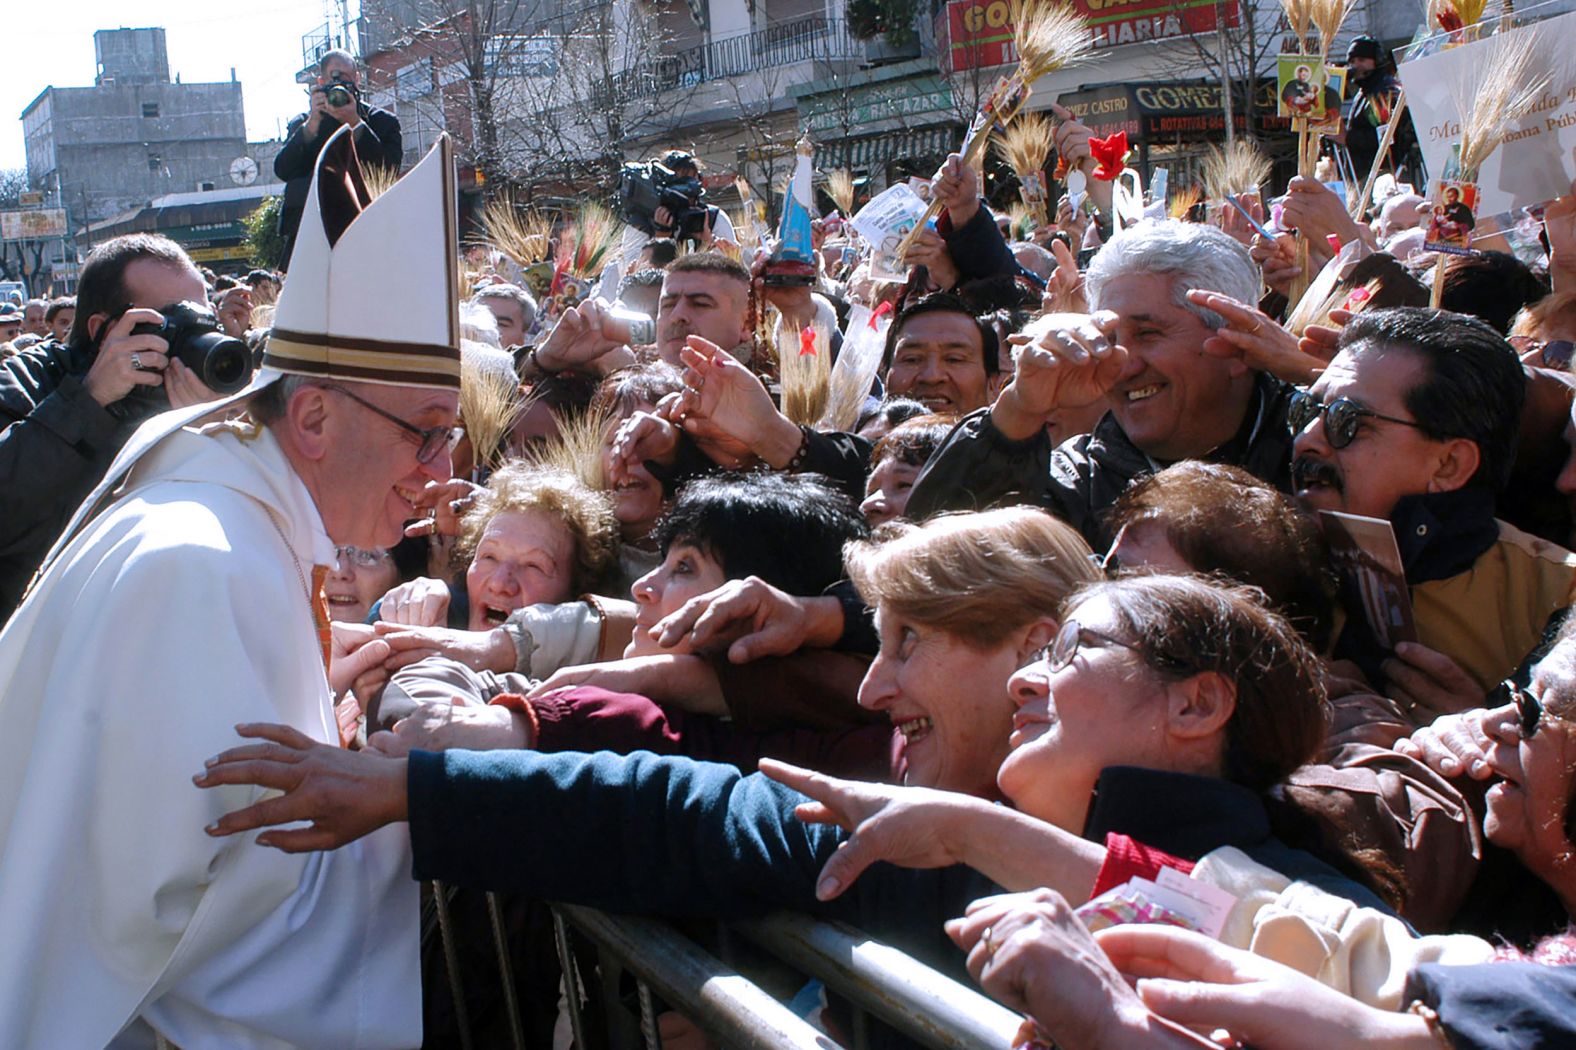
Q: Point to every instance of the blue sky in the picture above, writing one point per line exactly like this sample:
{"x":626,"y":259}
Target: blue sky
{"x":52,"y":44}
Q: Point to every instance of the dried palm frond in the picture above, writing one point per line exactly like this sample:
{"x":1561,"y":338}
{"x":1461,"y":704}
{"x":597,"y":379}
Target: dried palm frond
{"x":490,"y":405}
{"x":379,"y":179}
{"x":1239,"y":168}
{"x":840,"y":187}
{"x":577,"y":447}
{"x":524,"y":236}
{"x":1049,"y":35}
{"x":1027,"y":143}
{"x":752,"y":212}
{"x":1494,"y":94}
{"x":584,"y":245}
{"x":1298,"y":14}
{"x":466,"y":281}
{"x":1327,"y":16}
{"x":804,"y":368}
{"x":1183,"y":201}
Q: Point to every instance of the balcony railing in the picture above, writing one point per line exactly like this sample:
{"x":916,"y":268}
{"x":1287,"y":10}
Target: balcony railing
{"x":804,"y":40}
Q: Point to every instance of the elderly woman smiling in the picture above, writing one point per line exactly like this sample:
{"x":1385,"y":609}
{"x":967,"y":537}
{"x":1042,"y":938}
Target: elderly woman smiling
{"x":1161,"y":709}
{"x":534,"y":535}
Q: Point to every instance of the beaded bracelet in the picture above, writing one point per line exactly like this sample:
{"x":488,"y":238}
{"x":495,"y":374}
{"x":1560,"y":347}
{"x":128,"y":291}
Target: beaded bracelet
{"x":803,"y":452}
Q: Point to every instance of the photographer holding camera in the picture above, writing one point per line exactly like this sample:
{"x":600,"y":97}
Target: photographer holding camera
{"x":68,"y":406}
{"x":336,"y":100}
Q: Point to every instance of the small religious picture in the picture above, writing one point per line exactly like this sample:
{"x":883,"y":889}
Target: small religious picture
{"x":1453,"y":214}
{"x":1334,"y":91}
{"x":1300,"y":87}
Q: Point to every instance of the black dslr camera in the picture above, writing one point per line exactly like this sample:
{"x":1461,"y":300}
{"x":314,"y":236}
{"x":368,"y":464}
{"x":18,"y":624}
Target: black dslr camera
{"x":339,"y":92}
{"x":197,"y":341}
{"x":645,"y":187}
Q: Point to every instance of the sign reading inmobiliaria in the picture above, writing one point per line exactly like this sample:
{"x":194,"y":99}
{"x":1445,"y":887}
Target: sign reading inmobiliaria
{"x":979,"y":32}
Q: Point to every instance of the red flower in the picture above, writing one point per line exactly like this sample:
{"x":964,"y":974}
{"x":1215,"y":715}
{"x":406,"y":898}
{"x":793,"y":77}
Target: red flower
{"x":1112,"y":155}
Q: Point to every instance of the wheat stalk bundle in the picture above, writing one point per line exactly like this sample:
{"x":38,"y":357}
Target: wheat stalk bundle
{"x":804,"y":370}
{"x":1327,"y":16}
{"x":523,"y":236}
{"x":1494,"y":94}
{"x":840,"y":187}
{"x":490,"y":405}
{"x":1049,"y":35}
{"x":577,"y":447}
{"x":1238,"y":169}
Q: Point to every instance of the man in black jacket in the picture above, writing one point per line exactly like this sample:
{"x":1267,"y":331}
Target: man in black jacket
{"x":1142,"y":354}
{"x":67,"y":406}
{"x":377,"y":137}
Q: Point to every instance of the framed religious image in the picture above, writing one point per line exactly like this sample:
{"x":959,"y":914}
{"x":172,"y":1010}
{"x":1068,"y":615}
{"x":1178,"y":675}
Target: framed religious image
{"x":1334,"y":91}
{"x":1453,"y":214}
{"x":1299,"y":87}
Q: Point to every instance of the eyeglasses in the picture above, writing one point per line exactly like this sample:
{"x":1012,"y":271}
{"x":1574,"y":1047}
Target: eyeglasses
{"x":1065,"y":646}
{"x":1529,"y":709}
{"x":362,"y":559}
{"x":430,"y":442}
{"x":1342,"y":417}
{"x":1555,"y":353}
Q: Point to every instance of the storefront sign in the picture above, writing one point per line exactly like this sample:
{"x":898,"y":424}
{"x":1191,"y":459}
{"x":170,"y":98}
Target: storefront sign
{"x":1166,"y":109}
{"x":978,"y":33}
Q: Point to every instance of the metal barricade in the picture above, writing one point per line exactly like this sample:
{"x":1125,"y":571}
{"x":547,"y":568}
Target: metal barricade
{"x":876,"y":979}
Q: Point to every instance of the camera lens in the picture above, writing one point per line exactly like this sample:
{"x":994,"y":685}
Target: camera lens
{"x":221,"y":361}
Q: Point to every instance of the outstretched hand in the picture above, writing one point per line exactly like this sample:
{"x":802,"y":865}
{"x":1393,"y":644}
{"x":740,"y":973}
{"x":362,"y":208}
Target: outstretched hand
{"x":1257,"y":340}
{"x":342,"y":794}
{"x":900,"y":825}
{"x":753,"y":618}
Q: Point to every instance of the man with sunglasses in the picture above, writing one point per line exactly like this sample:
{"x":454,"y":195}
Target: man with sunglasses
{"x":1415,"y":421}
{"x":187,"y":596}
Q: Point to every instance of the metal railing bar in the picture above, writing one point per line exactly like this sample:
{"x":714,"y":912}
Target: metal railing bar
{"x":892,"y":985}
{"x":724,"y":1003}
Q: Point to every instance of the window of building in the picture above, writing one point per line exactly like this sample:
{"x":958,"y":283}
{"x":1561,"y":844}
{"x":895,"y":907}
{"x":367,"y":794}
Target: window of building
{"x":150,"y":109}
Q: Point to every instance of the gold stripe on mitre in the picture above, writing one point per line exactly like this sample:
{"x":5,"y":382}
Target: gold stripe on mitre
{"x":361,"y":360}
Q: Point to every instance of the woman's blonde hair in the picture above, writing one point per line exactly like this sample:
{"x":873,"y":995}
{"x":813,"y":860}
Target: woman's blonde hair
{"x":520,"y":486}
{"x":978,"y":576}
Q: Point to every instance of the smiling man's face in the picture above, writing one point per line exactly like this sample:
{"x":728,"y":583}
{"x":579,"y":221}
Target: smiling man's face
{"x":1173,"y":400}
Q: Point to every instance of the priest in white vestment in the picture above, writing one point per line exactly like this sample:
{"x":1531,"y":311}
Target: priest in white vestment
{"x":185,"y":601}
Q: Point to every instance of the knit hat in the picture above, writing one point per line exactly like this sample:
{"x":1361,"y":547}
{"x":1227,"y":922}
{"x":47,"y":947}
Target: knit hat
{"x":1364,"y":47}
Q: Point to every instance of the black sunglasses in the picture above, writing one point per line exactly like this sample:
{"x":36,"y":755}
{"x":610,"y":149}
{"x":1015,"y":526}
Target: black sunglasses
{"x":1529,"y":709}
{"x":430,"y":442}
{"x":1342,"y":417}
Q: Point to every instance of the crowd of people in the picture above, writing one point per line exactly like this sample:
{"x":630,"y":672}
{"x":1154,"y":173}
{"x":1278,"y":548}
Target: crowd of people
{"x":1058,"y":612}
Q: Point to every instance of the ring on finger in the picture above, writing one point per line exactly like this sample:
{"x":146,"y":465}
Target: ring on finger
{"x":1257,"y":325}
{"x":136,"y":361}
{"x":990,"y":947}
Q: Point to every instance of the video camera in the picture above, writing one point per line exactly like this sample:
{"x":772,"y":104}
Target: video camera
{"x":646,"y":186}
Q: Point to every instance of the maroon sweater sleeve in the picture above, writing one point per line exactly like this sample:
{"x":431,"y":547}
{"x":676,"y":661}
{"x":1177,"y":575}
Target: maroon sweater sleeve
{"x":589,"y":718}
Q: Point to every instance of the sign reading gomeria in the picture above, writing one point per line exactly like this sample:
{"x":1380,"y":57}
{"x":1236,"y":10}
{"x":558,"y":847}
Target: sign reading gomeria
{"x":979,"y":32}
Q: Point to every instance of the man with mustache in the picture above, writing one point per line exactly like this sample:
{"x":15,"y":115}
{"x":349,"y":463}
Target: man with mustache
{"x":1142,"y":355}
{"x":1415,"y":421}
{"x":705,"y":294}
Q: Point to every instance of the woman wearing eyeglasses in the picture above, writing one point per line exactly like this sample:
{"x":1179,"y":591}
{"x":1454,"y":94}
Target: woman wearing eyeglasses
{"x":1163,"y":710}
